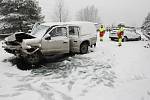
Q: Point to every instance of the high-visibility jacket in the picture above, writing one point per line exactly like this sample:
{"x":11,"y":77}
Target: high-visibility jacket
{"x":121,"y":29}
{"x":102,"y":29}
{"x":120,"y":32}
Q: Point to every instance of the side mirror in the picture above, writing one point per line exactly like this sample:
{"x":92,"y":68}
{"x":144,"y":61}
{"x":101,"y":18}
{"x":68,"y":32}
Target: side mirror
{"x":48,"y":38}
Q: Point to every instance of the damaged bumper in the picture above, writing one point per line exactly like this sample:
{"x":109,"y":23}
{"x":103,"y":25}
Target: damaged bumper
{"x":19,"y":44}
{"x":18,"y":51}
{"x":12,"y":49}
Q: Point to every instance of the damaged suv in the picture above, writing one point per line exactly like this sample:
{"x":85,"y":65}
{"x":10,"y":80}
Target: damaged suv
{"x":51,"y":39}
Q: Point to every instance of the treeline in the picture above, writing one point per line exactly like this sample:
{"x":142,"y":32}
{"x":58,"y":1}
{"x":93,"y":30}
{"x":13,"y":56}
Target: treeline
{"x":61,"y":13}
{"x":146,"y":24}
{"x":20,"y":15}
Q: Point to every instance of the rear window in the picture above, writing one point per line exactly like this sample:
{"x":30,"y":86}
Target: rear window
{"x":73,"y":30}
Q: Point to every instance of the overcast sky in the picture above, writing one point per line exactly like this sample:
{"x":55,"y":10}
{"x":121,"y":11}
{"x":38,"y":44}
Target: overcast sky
{"x":131,"y":12}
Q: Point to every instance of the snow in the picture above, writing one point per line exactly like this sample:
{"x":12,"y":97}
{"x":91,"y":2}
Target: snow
{"x":107,"y":72}
{"x":85,"y":27}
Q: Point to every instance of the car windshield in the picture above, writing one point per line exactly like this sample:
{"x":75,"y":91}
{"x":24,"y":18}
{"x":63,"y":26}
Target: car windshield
{"x":39,"y":31}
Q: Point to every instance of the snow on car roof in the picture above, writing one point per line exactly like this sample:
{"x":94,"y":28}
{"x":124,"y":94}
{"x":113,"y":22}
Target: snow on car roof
{"x":52,"y":23}
{"x":85,"y":27}
{"x":79,"y":23}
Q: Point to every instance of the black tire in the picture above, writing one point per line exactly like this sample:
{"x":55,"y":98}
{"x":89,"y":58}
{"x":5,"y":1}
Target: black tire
{"x":84,"y":48}
{"x":34,"y":58}
{"x":125,"y":39}
{"x":94,"y":44}
{"x":112,"y":39}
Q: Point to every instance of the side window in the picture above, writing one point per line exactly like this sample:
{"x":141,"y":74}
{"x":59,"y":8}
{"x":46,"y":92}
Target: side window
{"x":53,"y":32}
{"x":63,"y":30}
{"x":73,"y":30}
{"x":59,"y":31}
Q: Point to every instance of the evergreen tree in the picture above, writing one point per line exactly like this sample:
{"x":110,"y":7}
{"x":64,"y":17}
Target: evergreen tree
{"x":17,"y":15}
{"x":146,"y":24}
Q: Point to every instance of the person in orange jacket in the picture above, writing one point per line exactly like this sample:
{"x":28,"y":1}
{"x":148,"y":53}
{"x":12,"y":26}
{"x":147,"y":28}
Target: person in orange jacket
{"x":120,"y":35}
{"x":101,"y":32}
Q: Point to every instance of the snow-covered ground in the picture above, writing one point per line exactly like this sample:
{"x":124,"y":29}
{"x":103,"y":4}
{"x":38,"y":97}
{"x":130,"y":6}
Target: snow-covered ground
{"x":107,"y":72}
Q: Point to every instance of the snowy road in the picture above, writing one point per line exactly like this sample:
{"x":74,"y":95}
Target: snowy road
{"x":107,"y":72}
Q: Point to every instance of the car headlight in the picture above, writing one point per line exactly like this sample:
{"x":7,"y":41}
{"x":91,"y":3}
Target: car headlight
{"x":25,"y":46}
{"x":28,"y":47}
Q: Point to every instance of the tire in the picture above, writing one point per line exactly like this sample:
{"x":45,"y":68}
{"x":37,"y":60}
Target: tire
{"x":125,"y":39}
{"x":84,"y":48}
{"x":34,"y":58}
{"x":94,"y":44}
{"x":112,"y":39}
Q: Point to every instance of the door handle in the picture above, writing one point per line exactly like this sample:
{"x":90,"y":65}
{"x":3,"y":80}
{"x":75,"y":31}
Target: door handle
{"x":75,"y":41}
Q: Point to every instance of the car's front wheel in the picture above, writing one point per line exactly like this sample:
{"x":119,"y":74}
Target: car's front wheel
{"x":112,"y":39}
{"x":34,"y":58}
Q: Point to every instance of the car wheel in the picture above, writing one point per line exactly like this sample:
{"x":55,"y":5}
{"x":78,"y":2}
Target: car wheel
{"x":111,"y":39}
{"x":125,"y":39}
{"x":34,"y":58}
{"x":94,"y":44}
{"x":84,"y":48}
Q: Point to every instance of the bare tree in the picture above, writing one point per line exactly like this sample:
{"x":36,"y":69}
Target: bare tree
{"x":60,"y":12}
{"x":89,"y":13}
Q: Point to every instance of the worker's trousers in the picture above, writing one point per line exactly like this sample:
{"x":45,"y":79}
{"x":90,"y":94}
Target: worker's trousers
{"x":119,"y":41}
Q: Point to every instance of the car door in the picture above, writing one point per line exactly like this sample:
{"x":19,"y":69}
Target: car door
{"x":74,"y":37}
{"x":135,"y":35}
{"x":55,"y":41}
{"x":132,"y":35}
{"x":128,"y":34}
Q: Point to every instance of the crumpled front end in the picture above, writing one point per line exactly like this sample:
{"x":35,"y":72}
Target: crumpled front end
{"x":30,"y":46}
{"x":11,"y":47}
{"x":19,"y":44}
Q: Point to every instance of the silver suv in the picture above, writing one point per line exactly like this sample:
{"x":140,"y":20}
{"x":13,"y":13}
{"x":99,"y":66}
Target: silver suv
{"x":129,"y":34}
{"x":51,"y":39}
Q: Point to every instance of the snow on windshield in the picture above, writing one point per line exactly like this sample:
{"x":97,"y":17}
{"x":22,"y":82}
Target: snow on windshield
{"x":40,"y":31}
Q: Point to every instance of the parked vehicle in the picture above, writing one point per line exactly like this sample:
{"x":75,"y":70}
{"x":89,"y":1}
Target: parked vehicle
{"x":51,"y":39}
{"x":129,"y":34}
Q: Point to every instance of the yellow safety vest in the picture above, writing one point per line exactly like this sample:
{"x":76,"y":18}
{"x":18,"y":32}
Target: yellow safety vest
{"x":101,"y":29}
{"x":121,"y":29}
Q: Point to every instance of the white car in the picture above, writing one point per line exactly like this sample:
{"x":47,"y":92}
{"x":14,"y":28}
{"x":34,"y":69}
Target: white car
{"x":51,"y":39}
{"x":129,"y":34}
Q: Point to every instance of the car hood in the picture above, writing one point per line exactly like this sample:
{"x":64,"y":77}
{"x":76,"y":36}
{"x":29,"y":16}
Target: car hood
{"x":32,"y":42}
{"x":19,"y":36}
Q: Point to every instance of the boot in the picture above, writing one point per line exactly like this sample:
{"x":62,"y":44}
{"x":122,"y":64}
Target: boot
{"x":119,"y":44}
{"x":101,"y":39}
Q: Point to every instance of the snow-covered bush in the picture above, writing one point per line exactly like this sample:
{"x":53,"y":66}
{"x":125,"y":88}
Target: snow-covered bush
{"x":18,"y":15}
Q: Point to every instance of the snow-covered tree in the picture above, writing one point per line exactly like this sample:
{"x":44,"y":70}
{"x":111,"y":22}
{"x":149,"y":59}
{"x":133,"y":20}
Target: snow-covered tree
{"x":89,"y":13}
{"x":146,"y":24}
{"x":17,"y":15}
{"x":60,"y":13}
